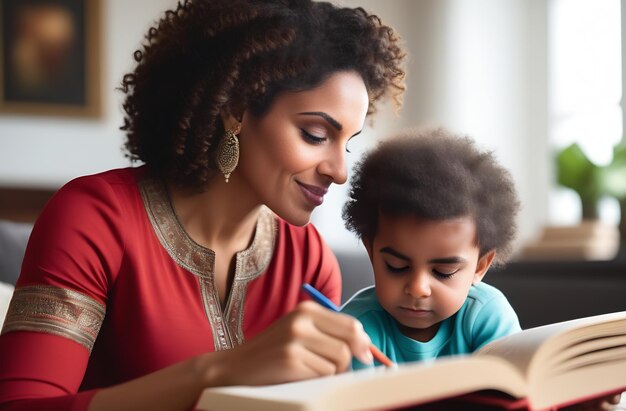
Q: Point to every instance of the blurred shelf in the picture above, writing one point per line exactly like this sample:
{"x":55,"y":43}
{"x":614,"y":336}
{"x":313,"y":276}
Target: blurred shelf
{"x":544,"y":292}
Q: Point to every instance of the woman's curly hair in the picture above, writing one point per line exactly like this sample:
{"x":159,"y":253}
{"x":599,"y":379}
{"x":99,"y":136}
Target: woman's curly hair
{"x":436,"y":175}
{"x":208,"y":56}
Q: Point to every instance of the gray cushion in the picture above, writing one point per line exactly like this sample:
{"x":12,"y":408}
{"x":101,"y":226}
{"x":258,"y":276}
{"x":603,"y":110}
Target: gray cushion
{"x":356,"y":272}
{"x":6,"y":291}
{"x":13,"y":239}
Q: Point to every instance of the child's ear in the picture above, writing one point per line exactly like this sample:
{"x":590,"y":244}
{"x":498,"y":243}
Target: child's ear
{"x":483,"y":265}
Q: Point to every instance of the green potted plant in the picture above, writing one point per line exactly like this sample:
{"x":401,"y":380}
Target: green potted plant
{"x":614,"y":182}
{"x":591,"y":239}
{"x":574,"y":170}
{"x":590,"y":181}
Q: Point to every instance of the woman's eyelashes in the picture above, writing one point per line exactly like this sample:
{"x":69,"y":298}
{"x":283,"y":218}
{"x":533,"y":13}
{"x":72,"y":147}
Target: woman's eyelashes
{"x":312,"y":138}
{"x":347,"y":149}
{"x":319,"y":137}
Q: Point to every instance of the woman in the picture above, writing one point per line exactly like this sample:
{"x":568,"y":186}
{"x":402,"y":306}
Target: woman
{"x":188,"y":269}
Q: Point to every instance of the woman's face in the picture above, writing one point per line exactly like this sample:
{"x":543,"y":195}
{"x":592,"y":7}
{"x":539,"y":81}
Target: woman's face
{"x":293,"y":153}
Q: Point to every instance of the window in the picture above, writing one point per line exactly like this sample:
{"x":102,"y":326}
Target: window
{"x":585,"y":90}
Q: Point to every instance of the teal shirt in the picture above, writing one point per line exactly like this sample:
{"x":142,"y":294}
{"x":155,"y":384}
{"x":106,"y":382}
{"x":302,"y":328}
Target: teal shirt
{"x":485,"y":316}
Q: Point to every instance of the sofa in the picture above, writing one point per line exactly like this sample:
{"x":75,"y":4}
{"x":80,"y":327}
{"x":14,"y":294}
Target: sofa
{"x":13,"y":239}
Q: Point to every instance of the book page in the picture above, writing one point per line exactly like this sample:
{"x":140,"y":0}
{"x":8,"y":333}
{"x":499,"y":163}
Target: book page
{"x":579,"y":383}
{"x":521,"y":348}
{"x":584,"y":353}
{"x":379,"y":387}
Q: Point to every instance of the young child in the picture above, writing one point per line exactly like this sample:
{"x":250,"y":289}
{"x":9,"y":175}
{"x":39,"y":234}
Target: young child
{"x":434,"y":213}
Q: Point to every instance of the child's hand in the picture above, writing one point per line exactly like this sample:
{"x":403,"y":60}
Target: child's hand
{"x":599,"y":404}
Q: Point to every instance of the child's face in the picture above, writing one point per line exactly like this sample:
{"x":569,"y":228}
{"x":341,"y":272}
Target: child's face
{"x":424,"y":269}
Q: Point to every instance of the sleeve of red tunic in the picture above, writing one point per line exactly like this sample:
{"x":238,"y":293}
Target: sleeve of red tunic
{"x":307,"y":258}
{"x":60,"y":298}
{"x":327,"y":277}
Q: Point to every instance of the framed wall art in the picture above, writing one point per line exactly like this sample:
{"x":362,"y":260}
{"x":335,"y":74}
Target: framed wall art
{"x":50,"y":57}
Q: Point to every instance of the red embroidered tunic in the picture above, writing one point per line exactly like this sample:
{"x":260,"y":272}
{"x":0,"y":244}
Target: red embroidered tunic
{"x":112,"y":288}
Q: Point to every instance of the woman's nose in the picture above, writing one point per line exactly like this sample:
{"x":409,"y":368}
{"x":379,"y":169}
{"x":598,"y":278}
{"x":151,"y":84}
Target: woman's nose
{"x":334,"y":165}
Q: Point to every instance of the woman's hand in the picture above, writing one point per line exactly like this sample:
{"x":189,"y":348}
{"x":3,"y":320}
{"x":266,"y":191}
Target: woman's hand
{"x":311,"y":341}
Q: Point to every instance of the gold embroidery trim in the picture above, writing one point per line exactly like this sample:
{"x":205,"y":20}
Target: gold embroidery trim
{"x":186,"y":252}
{"x":55,"y":310}
{"x":226,"y":326}
{"x":251,"y":263}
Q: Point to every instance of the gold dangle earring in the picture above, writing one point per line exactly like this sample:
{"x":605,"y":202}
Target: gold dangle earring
{"x":228,"y":152}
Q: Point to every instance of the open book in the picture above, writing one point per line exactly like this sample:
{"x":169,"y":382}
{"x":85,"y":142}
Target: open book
{"x":539,"y":368}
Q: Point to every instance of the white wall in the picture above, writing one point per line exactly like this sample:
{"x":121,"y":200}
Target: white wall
{"x":477,"y":66}
{"x":48,"y":151}
{"x":623,"y":18}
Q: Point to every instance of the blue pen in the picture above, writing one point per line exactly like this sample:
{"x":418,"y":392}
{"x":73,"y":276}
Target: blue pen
{"x":323,"y":300}
{"x":319,"y":297}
